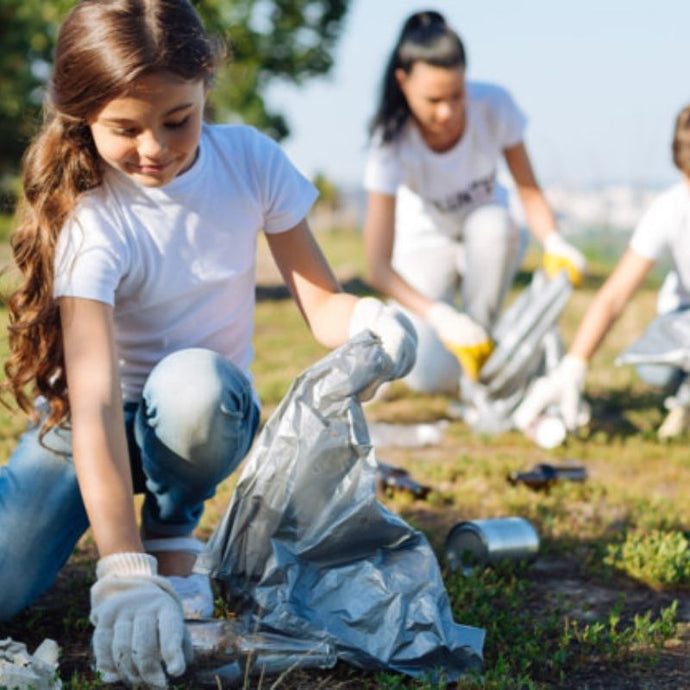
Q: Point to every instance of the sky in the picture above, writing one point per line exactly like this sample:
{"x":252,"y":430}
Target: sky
{"x":600,"y":82}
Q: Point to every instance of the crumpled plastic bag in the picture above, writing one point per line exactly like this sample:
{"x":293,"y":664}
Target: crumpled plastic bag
{"x":20,"y":670}
{"x":306,"y":550}
{"x":528,"y":345}
{"x":665,"y":341}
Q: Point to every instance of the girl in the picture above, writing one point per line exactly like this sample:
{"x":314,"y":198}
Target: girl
{"x":133,"y":322}
{"x":435,"y":210}
{"x":665,"y":227}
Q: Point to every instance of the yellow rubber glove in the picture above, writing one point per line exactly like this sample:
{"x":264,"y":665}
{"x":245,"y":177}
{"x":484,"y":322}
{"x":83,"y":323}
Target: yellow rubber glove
{"x":463,"y":336}
{"x":560,"y":255}
{"x":472,"y":357}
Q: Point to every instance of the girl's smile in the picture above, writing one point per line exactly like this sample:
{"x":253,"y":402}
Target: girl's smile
{"x":152,"y":133}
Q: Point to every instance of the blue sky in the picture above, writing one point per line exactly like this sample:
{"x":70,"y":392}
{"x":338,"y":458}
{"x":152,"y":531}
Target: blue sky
{"x":599,"y":80}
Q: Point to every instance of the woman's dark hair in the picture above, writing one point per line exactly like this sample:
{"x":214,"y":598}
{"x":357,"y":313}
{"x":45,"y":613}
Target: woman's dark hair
{"x":681,"y":141}
{"x":103,"y":48}
{"x":425,"y":37}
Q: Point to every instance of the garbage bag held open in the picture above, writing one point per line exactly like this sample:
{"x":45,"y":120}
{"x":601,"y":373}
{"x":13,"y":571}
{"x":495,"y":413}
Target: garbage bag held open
{"x":305,"y":549}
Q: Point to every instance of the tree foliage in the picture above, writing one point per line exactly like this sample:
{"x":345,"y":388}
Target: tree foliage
{"x":267,"y":40}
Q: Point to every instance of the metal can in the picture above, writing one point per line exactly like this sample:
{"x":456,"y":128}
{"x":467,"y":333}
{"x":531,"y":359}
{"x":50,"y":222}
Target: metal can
{"x":481,"y":542}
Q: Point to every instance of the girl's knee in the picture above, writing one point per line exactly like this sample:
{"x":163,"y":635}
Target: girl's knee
{"x":196,"y":384}
{"x":201,"y":407}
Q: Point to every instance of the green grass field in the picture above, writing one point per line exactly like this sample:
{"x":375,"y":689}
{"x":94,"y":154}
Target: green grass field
{"x":607,"y":602}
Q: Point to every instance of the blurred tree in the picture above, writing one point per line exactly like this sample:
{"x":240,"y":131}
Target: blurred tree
{"x":329,"y":195}
{"x":267,"y":40}
{"x":28,"y":29}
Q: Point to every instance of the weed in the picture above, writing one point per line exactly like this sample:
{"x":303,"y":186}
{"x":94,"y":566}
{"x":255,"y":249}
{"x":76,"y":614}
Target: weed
{"x":659,"y":559}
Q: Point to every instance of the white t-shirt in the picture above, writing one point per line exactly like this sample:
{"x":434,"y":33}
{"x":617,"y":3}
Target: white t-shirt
{"x":665,"y":226}
{"x":436,"y":191}
{"x":178,"y":262}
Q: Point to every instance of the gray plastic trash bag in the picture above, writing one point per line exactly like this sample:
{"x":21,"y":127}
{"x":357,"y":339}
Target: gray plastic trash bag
{"x":666,"y":341}
{"x":306,"y":548}
{"x":528,"y":345}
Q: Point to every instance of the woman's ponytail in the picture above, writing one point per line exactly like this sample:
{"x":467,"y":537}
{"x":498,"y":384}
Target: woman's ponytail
{"x":425,"y":37}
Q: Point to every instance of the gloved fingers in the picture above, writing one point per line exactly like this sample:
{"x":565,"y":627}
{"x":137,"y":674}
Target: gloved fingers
{"x":472,"y":358}
{"x":122,"y":650}
{"x":571,"y":404}
{"x":538,"y":398}
{"x":146,"y":649}
{"x":397,"y":341}
{"x":560,"y":255}
{"x":554,"y":264}
{"x":103,"y":652}
{"x":175,"y":645}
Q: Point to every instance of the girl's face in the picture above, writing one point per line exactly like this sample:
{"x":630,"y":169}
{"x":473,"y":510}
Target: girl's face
{"x":436,"y":98}
{"x":152,"y":133}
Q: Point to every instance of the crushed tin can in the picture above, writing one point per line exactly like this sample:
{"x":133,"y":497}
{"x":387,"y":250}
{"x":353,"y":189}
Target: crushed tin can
{"x":483,"y":542}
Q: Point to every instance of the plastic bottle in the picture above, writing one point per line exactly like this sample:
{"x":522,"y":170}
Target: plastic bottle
{"x":225,"y":650}
{"x":547,"y":431}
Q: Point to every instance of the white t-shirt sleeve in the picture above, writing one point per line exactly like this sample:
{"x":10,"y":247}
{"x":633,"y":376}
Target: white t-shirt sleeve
{"x":286,"y":195}
{"x":510,"y":120}
{"x":91,"y":257}
{"x":650,"y":238}
{"x":383,"y":171}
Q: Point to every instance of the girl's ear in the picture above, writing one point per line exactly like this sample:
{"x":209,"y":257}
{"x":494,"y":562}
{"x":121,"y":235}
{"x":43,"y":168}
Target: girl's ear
{"x":400,"y":76}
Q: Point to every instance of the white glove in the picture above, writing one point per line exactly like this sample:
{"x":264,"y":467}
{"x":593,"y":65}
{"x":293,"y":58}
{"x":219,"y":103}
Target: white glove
{"x":562,"y":387}
{"x":139,"y":628}
{"x":463,"y":336}
{"x":560,"y":255}
{"x":396,"y":332}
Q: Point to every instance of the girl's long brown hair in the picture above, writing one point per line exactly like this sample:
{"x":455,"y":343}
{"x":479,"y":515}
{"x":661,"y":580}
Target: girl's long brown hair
{"x":103,"y":47}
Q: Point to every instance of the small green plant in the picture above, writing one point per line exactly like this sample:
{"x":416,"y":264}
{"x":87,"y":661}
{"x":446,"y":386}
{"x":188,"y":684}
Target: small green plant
{"x":659,"y":559}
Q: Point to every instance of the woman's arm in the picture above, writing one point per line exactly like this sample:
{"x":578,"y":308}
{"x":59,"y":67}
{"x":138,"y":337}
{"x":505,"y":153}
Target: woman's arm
{"x":609,"y":303}
{"x":100,"y":453}
{"x":559,"y":255}
{"x":540,"y":217}
{"x":379,"y":236}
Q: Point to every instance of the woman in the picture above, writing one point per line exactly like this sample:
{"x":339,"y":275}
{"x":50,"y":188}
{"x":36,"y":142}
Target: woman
{"x":435,"y":211}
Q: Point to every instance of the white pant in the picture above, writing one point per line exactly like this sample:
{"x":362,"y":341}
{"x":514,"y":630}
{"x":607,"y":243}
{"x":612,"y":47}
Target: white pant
{"x":487,"y":260}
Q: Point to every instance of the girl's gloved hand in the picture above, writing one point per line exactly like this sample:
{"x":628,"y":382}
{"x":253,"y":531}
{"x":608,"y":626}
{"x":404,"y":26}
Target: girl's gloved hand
{"x":560,"y":255}
{"x":463,"y":336}
{"x":562,"y":387}
{"x":397,"y":334}
{"x":139,"y":628}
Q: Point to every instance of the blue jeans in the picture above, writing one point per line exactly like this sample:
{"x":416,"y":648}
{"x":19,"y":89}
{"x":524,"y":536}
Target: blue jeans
{"x":194,"y":425}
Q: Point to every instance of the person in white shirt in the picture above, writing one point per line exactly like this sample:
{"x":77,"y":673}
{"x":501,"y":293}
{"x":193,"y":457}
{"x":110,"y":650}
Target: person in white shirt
{"x":663,"y":230}
{"x":131,"y":329}
{"x":436,"y":215}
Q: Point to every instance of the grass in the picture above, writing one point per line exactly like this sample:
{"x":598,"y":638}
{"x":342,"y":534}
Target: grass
{"x":605,"y":605}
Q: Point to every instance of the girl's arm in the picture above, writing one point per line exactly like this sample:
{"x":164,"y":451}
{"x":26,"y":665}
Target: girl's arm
{"x":324,"y":306}
{"x":101,"y":459}
{"x":609,"y":303}
{"x":540,"y":217}
{"x":379,"y":236}
{"x":332,"y":315}
{"x":139,"y":626}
